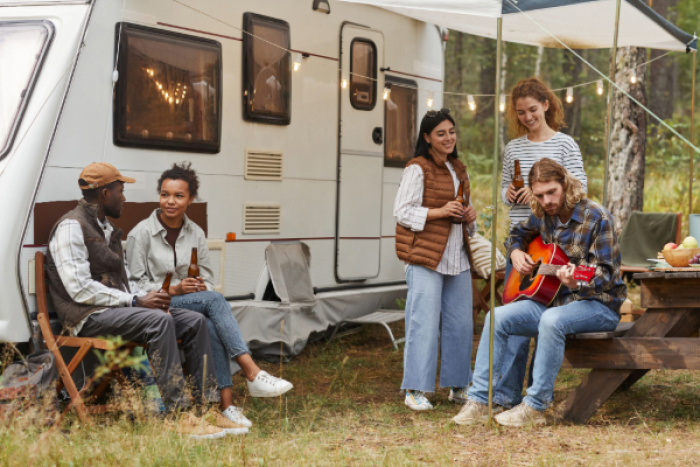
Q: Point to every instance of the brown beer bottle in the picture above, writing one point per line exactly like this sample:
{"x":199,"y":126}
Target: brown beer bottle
{"x":193,"y":270}
{"x":166,"y":283}
{"x":518,"y":180}
{"x":459,"y":199}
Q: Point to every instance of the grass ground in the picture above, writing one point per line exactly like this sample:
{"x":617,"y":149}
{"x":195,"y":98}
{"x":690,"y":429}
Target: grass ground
{"x":346,"y":409}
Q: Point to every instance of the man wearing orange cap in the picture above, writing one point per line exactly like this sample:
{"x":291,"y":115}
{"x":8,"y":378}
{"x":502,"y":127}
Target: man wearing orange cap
{"x":88,"y":281}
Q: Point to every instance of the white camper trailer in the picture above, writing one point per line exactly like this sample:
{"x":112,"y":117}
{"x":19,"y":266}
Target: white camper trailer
{"x":294,"y":113}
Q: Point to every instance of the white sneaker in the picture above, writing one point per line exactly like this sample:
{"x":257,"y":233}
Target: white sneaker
{"x":416,"y":400}
{"x":235,"y":414}
{"x":474,"y":413}
{"x":521,"y":415}
{"x":458,"y":395}
{"x":266,"y":385}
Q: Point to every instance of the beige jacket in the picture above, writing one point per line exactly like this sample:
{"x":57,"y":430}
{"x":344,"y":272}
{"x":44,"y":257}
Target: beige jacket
{"x":150,"y":256}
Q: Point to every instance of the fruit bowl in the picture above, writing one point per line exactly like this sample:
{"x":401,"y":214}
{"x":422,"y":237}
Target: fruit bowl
{"x":680,"y":257}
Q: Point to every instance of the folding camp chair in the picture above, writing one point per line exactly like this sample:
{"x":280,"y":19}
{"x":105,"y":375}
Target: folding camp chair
{"x":83,"y":344}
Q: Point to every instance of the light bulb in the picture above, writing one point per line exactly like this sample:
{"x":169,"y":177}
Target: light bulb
{"x":297,"y":61}
{"x":344,"y":83}
{"x":387,"y":92}
{"x":502,"y":104}
{"x":569,"y":95}
{"x":472,"y":103}
{"x":599,"y":87}
{"x":431,"y":99}
{"x":633,"y":77}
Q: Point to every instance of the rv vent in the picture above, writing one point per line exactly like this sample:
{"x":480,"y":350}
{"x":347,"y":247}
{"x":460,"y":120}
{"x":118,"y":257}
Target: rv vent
{"x":260,"y":218}
{"x":263,"y":165}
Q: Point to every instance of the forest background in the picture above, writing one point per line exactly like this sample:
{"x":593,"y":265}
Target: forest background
{"x":665,"y":84}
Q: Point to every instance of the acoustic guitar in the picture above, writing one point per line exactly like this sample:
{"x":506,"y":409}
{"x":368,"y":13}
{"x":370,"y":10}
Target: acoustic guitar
{"x":542,"y":284}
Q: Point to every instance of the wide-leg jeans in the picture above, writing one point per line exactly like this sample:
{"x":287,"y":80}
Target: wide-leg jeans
{"x":438,"y":309}
{"x":226,"y":339}
{"x":550,"y":325}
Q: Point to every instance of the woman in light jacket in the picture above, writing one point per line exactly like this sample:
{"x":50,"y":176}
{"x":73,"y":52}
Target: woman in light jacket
{"x":439,"y":300}
{"x":163,"y":242}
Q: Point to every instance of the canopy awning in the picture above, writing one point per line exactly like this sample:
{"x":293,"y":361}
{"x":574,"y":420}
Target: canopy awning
{"x":580,"y":24}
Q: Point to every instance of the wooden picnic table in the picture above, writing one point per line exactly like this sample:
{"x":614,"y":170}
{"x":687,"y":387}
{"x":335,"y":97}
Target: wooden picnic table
{"x":659,"y":339}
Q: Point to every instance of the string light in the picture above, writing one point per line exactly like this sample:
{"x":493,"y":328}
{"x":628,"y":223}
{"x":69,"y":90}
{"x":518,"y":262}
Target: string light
{"x":431,"y":99}
{"x":633,"y":77}
{"x":502,"y":104}
{"x":599,"y":87}
{"x":297,"y":61}
{"x":387,"y":92}
{"x":569,"y":95}
{"x":471,"y":102}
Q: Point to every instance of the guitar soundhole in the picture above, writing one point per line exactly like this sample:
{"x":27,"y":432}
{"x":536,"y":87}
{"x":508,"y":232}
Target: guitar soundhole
{"x":528,"y":280}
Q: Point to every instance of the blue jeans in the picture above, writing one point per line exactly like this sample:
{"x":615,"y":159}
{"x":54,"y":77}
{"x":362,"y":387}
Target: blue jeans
{"x":226,"y":339}
{"x":510,"y":375}
{"x":438,"y":308}
{"x":550,"y":326}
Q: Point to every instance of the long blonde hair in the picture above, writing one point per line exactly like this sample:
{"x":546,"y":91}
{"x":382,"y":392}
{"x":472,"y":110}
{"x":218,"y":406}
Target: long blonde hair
{"x":538,"y":90}
{"x":546,"y":170}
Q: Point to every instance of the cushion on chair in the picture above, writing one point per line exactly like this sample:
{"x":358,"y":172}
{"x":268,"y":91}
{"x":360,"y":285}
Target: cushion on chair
{"x":644,"y":235}
{"x":481,"y":254}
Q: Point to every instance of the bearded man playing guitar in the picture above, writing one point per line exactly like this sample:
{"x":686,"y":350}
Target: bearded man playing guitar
{"x":585,"y":232}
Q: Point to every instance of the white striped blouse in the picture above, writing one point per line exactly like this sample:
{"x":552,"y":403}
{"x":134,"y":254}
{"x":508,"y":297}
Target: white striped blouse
{"x":410,"y":213}
{"x":561,"y":148}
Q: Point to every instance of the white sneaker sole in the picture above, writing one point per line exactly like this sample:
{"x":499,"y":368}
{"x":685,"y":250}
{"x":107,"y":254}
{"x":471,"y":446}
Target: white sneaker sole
{"x":218,"y":435}
{"x":236,"y":431}
{"x":476,"y":421}
{"x":278,"y":392}
{"x":419,"y":408}
{"x":457,"y":400}
{"x":535,"y":422}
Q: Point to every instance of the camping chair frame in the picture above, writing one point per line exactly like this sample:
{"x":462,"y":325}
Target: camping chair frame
{"x":78,"y":398}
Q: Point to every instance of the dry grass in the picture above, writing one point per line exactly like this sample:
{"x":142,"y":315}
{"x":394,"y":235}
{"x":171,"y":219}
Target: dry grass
{"x":346,"y":409}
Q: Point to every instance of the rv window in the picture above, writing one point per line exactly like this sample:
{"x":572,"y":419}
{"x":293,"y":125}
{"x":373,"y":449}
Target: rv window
{"x":22,"y":48}
{"x":267,"y":70}
{"x":363,"y":74}
{"x":400,"y":110}
{"x":169,"y":90}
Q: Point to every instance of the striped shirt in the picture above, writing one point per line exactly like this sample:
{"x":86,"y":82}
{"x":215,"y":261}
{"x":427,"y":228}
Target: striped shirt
{"x":588,"y":238}
{"x":560,"y":148}
{"x":410,"y":213}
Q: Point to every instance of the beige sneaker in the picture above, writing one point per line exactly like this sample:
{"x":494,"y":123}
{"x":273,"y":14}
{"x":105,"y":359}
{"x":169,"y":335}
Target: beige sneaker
{"x":217,"y":419}
{"x":521,"y":415}
{"x":197,"y":428}
{"x":473,"y":413}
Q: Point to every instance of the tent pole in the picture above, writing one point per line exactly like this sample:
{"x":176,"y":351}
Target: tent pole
{"x":613,"y":67}
{"x":494,"y":203}
{"x":692,"y":139}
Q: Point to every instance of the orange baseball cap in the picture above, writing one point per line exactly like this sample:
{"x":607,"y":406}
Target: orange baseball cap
{"x":99,"y":174}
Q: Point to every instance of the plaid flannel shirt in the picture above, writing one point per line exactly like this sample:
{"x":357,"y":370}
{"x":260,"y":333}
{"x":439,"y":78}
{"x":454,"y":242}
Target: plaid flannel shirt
{"x":588,"y":238}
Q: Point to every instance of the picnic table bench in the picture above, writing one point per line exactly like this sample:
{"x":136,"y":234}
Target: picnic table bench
{"x":659,"y":339}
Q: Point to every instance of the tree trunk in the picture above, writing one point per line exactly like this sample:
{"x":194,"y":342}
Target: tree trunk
{"x":663,"y":77}
{"x":502,"y":85}
{"x":573,"y":68}
{"x":628,"y":139}
{"x":487,"y":78}
{"x":538,"y":62}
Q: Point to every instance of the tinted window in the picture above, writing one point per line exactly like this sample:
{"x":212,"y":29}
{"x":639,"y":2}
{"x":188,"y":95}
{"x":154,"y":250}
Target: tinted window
{"x":267,"y":70}
{"x":400,"y":110}
{"x":363,"y":74}
{"x":169,"y":90}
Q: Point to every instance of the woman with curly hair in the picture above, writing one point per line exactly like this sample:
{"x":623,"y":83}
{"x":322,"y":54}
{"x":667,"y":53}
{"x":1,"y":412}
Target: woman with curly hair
{"x":535,"y":116}
{"x":163,"y":242}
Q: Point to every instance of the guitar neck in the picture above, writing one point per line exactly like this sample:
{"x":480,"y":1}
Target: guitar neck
{"x":548,"y":269}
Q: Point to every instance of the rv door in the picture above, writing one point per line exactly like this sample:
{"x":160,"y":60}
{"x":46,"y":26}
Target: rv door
{"x":361,"y":158}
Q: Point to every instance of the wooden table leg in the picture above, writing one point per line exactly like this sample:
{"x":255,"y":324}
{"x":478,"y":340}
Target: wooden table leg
{"x":598,"y":385}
